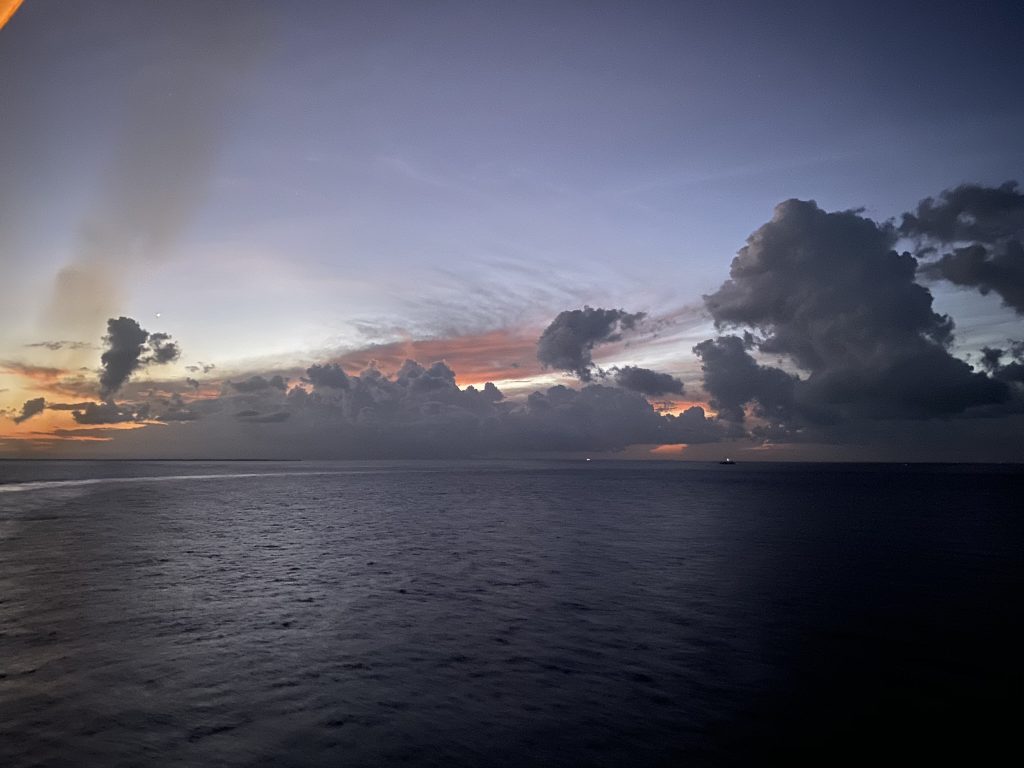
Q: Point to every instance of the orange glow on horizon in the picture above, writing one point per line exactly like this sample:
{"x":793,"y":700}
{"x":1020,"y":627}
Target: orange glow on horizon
{"x":61,"y":425}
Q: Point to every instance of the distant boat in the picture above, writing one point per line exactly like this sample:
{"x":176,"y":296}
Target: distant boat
{"x":727,"y":461}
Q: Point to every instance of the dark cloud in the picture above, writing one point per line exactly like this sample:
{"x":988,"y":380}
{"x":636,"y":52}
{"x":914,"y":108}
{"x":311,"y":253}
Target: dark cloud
{"x":598,"y":417}
{"x":420,"y":411}
{"x":125,"y":342}
{"x":1011,"y":371}
{"x":647,"y":382}
{"x":68,"y":406}
{"x":260,"y":384}
{"x":129,"y":347}
{"x":109,"y":413}
{"x":200,"y":367}
{"x":162,"y":349}
{"x":828,"y":292}
{"x":331,"y":376}
{"x":970,"y":212}
{"x":418,"y":379}
{"x":997,"y":269}
{"x":983,"y":228}
{"x":733,"y":378}
{"x":192,"y":382}
{"x":30,"y":408}
{"x":568,"y":342}
{"x":490,"y":392}
{"x":990,"y":358}
{"x":177,"y":410}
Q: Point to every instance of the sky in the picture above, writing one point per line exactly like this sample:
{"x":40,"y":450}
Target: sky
{"x":663,"y":230}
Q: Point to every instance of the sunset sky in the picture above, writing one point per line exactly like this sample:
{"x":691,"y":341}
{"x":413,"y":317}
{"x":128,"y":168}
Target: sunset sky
{"x":537,"y":195}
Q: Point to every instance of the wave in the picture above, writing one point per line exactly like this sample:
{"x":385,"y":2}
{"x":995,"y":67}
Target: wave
{"x":39,"y":485}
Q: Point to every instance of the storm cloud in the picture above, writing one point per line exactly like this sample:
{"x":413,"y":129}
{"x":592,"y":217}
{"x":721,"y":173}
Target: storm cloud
{"x":828,"y":293}
{"x":568,"y":342}
{"x":978,"y":234}
{"x":129,"y":347}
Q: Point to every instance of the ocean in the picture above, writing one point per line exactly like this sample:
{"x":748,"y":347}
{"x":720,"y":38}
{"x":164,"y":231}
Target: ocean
{"x":508,"y":613}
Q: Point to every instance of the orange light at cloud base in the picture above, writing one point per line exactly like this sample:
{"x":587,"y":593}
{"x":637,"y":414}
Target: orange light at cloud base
{"x":7,"y":9}
{"x":61,"y":425}
{"x":668,"y":449}
{"x":676,"y":407}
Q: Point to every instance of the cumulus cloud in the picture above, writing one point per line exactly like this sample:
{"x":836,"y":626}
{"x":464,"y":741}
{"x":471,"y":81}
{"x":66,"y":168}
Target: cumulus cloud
{"x":162,"y":349}
{"x":828,"y":292}
{"x":1011,"y":371}
{"x":176,"y":410}
{"x":29,"y":409}
{"x":733,"y":378}
{"x":330,"y":376}
{"x":969,"y":212}
{"x":129,"y":347}
{"x":647,"y":382}
{"x":568,"y":342}
{"x":978,"y":234}
{"x":109,"y":413}
{"x":125,"y":341}
{"x":990,"y":269}
{"x":420,"y":411}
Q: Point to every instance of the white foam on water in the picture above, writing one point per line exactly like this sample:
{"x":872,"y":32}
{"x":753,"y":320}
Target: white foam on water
{"x":40,"y":485}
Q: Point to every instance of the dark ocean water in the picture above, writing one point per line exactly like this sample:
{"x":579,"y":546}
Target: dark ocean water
{"x":488,"y":613}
